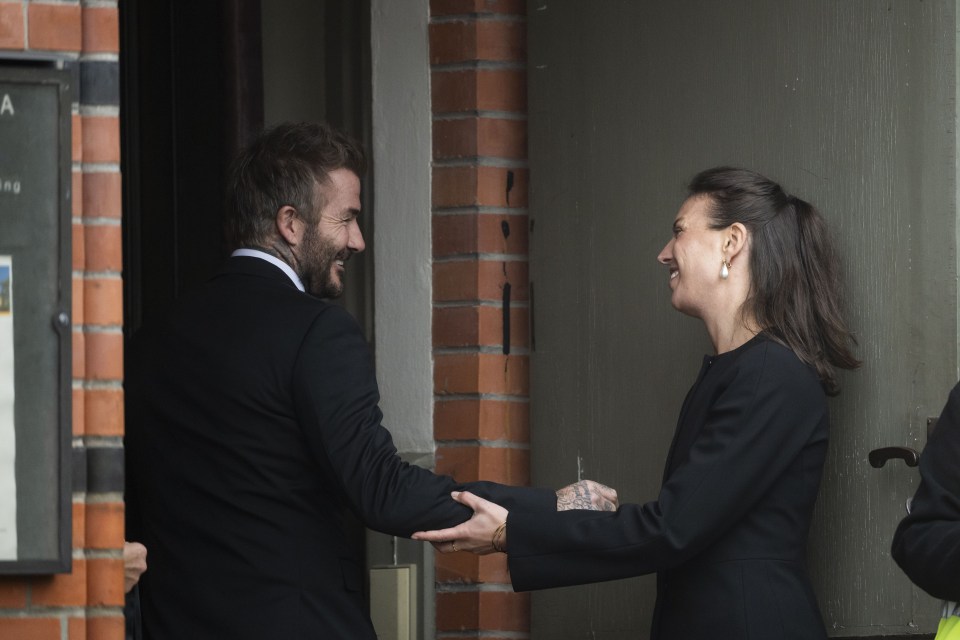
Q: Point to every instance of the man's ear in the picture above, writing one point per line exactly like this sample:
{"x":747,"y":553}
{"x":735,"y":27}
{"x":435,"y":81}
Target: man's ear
{"x":735,"y":240}
{"x":289,"y":225}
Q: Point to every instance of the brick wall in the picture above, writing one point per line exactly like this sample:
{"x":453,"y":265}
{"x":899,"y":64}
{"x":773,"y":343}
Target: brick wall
{"x":480,"y":175}
{"x":87,"y":603}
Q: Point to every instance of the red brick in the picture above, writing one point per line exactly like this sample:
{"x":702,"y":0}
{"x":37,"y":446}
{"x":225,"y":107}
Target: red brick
{"x":477,"y":419}
{"x":469,"y":280}
{"x":467,"y":568}
{"x":54,"y":27}
{"x":478,"y":326}
{"x":105,"y":581}
{"x":79,"y":253}
{"x":101,"y":139}
{"x":77,"y":629}
{"x":502,"y":90}
{"x":479,"y":89}
{"x":455,"y":281}
{"x":479,"y":186}
{"x":455,"y":138}
{"x":491,"y":326}
{"x":105,"y":627}
{"x":13,"y":593}
{"x":502,"y":138}
{"x":101,"y":31}
{"x":104,"y":525}
{"x":502,"y":40}
{"x":76,"y":140}
{"x":103,"y":301}
{"x":487,"y":610}
{"x":79,"y":353}
{"x":453,"y":42}
{"x":11,"y":25}
{"x":76,"y":194}
{"x":456,"y":326}
{"x":104,"y":357}
{"x":454,"y":186}
{"x":104,"y":412}
{"x":76,"y":303}
{"x":483,"y":137}
{"x":481,"y":373}
{"x":62,"y":590}
{"x":78,"y":409}
{"x":467,"y":234}
{"x":461,"y":7}
{"x":453,"y":91}
{"x":468,"y":463}
{"x":30,"y":628}
{"x":104,"y":248}
{"x":79,"y":525}
{"x":494,"y":274}
{"x":492,"y":189}
{"x":102,"y":195}
{"x":472,"y":40}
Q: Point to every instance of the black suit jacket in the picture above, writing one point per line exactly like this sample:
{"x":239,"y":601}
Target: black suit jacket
{"x":253,"y":429}
{"x":926,"y":544}
{"x":727,"y":534}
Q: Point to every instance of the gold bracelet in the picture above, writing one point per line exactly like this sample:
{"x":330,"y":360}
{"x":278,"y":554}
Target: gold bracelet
{"x":497,"y":535}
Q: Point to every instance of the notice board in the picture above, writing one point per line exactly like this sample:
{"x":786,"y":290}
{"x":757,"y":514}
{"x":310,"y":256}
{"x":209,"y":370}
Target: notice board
{"x":35,"y":325}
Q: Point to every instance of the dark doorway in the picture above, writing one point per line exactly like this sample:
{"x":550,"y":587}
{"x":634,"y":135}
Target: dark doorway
{"x":193,"y":92}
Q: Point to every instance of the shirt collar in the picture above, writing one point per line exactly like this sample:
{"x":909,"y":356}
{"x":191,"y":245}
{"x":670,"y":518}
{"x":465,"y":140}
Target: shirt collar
{"x":283,"y":266}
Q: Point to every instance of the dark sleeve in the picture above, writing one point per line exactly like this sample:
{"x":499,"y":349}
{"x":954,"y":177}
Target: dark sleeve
{"x":336,"y":399}
{"x":753,"y":431}
{"x":926,"y":544}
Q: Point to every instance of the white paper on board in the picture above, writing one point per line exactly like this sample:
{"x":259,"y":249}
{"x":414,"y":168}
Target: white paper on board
{"x":8,"y":442}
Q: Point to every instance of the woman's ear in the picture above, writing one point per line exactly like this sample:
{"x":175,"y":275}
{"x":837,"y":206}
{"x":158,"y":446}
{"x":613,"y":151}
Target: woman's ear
{"x":735,"y":240}
{"x":289,"y":225}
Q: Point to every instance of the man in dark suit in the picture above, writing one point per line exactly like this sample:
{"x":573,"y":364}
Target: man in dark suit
{"x":926,"y":544}
{"x":254,"y":424}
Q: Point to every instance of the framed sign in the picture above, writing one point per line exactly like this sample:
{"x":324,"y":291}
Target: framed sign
{"x":35,"y":353}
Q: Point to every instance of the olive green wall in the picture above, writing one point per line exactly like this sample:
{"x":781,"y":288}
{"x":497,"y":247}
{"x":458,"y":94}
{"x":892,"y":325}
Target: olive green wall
{"x":851,"y":105}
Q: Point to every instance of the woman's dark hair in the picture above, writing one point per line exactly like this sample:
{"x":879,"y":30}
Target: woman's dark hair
{"x":795,"y":280}
{"x":283,"y":166}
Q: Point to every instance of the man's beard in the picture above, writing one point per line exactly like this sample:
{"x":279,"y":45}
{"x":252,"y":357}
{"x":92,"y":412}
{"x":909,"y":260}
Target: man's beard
{"x":316,"y":265}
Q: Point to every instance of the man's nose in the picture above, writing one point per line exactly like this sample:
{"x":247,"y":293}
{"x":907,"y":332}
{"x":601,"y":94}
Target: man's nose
{"x":355,"y":240}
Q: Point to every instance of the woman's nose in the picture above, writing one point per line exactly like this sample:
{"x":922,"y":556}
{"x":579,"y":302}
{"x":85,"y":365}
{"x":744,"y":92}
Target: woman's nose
{"x":666,"y":254}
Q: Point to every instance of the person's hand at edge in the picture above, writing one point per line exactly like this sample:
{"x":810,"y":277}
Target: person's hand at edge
{"x":134,"y":564}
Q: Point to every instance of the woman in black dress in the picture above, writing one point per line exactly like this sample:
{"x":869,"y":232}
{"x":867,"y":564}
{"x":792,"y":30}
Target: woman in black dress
{"x":727,"y":534}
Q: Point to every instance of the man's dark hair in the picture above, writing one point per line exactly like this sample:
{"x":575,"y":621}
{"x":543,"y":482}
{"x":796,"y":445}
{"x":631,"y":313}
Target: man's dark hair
{"x":284,"y":165}
{"x":795,"y":280}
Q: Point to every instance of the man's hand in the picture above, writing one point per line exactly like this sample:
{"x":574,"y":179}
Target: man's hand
{"x":134,"y":564}
{"x":588,"y":495}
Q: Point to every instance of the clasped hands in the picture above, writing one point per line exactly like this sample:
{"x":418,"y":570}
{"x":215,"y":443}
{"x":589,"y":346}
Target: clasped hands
{"x":485,"y":528}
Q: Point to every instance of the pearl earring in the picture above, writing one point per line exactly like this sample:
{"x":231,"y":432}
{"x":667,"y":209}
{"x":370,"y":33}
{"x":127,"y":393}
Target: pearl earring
{"x":724,"y":270}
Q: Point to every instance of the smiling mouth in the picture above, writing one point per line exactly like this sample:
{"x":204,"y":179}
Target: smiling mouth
{"x":674,"y":273}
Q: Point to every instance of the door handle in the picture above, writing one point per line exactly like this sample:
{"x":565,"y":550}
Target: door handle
{"x":879,"y":457}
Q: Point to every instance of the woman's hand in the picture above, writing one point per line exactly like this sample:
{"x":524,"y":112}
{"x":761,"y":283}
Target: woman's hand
{"x":476,"y":534}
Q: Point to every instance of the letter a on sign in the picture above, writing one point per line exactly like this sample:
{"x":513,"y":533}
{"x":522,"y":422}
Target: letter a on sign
{"x":6,"y":107}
